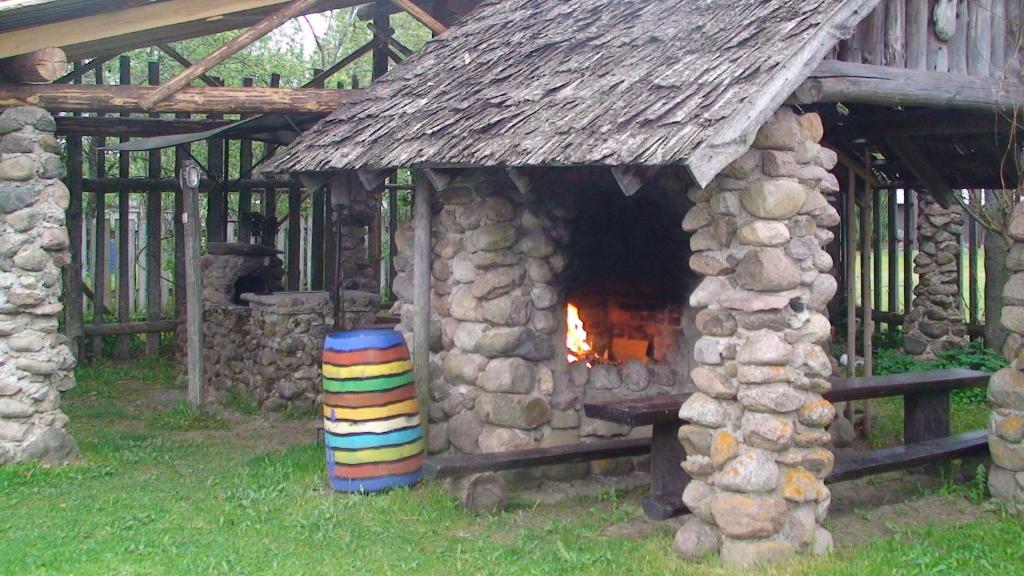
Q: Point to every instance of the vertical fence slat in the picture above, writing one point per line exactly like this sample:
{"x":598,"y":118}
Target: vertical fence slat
{"x":876,"y":246}
{"x":73,"y":279}
{"x":124,"y":230}
{"x":893,"y":264}
{"x":154,"y":209}
{"x":245,"y":195}
{"x":99,"y":274}
{"x":972,"y":269}
{"x":294,"y":233}
{"x":909,"y":235}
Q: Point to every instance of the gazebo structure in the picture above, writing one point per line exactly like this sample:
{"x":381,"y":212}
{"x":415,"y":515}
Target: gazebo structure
{"x":614,"y":199}
{"x":663,"y":175}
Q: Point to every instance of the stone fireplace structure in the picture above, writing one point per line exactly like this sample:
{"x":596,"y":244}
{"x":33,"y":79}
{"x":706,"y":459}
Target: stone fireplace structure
{"x":260,"y":342}
{"x":506,"y":267}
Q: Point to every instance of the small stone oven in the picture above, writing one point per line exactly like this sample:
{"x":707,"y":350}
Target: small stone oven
{"x":260,"y":342}
{"x":507,"y":267}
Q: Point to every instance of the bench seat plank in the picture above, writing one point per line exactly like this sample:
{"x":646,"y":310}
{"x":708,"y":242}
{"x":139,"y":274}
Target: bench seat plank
{"x":454,"y":466}
{"x":853,"y":465}
{"x":665,"y":408}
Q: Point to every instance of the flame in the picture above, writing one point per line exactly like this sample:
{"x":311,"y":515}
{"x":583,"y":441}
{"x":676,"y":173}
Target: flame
{"x":576,"y":339}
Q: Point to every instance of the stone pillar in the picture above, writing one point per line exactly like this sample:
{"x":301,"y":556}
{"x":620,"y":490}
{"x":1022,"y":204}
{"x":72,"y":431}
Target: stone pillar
{"x":1006,"y":387}
{"x":36,"y":362}
{"x":936,"y":320}
{"x":755,"y":432}
{"x":496,"y":254}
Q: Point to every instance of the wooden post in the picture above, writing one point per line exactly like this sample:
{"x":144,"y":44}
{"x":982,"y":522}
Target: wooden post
{"x":245,"y":196}
{"x":270,"y":194}
{"x":253,"y":33}
{"x":154,"y":236}
{"x":180,"y":303}
{"x":316,"y":265}
{"x":294,"y":234}
{"x":216,"y":198}
{"x":979,"y":37}
{"x":124,"y":163}
{"x":421,"y":296}
{"x":891,"y":248}
{"x":422,"y":16}
{"x":99,"y":276}
{"x":849,"y":260}
{"x":73,"y":273}
{"x":876,"y":247}
{"x":909,"y":234}
{"x":41,"y":66}
{"x":392,"y":229}
{"x":190,"y":177}
{"x":918,"y":18}
{"x":972,"y":268}
{"x":867,"y":231}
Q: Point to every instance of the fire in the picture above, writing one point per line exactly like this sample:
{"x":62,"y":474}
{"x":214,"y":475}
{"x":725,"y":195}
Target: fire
{"x":576,"y":339}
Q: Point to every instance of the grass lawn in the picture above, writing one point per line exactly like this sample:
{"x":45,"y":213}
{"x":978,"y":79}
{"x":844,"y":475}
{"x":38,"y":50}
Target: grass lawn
{"x":162,"y":489}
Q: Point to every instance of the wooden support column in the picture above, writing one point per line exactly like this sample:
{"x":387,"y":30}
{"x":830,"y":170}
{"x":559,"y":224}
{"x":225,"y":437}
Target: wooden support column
{"x":382,"y":23}
{"x":867,"y":232}
{"x":891,"y":249}
{"x":194,"y":280}
{"x":316,"y":265}
{"x":909,"y":237}
{"x":972,"y":268}
{"x":181,"y":153}
{"x":294,"y":234}
{"x":124,"y":259}
{"x":876,"y":246}
{"x":332,"y":233}
{"x":421,"y":296}
{"x":216,"y":198}
{"x":392,"y":229}
{"x":154,"y":236}
{"x":849,"y":260}
{"x":245,"y":196}
{"x":99,"y":274}
{"x":270,"y":194}
{"x":73,"y":273}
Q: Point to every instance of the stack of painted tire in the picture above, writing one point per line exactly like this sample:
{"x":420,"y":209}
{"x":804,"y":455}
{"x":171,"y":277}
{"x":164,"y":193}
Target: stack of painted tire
{"x":372,"y":427}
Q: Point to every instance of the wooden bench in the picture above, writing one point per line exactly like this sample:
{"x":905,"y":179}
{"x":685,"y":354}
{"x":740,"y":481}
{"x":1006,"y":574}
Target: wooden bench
{"x":926,"y":430}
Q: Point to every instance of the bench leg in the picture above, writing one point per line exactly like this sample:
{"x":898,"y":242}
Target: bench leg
{"x":926,"y":417}
{"x":667,"y":478}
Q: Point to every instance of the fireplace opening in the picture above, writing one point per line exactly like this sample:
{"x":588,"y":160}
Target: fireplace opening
{"x":249,"y":284}
{"x":629,"y":278}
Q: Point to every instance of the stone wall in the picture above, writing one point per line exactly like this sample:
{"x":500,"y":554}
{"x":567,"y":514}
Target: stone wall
{"x":755,"y":432}
{"x":1006,"y":387}
{"x":500,"y":379}
{"x":36,"y":362}
{"x":936,"y":320}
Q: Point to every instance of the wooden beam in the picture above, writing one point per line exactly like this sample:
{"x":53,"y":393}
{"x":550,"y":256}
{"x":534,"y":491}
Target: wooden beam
{"x":911,"y":155}
{"x":131,"y":328}
{"x":78,"y":71}
{"x":133,"y":127}
{"x":856,"y":167}
{"x":384,"y":36}
{"x":319,"y":79}
{"x":171,"y":185}
{"x":180,"y":59}
{"x":235,"y":45}
{"x":834,"y":81}
{"x":136,"y":19}
{"x":43,"y":65}
{"x":422,"y":16}
{"x":193,"y":100}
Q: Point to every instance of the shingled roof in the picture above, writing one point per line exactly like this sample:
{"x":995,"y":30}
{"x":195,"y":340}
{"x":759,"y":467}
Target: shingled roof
{"x":584,"y":82}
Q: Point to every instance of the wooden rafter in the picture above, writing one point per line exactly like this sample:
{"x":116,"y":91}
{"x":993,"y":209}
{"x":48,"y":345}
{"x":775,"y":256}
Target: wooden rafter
{"x":238,"y":43}
{"x":391,"y":41}
{"x":194,"y":99}
{"x":180,"y":59}
{"x":340,"y":64}
{"x":912,"y":156}
{"x":422,"y":16}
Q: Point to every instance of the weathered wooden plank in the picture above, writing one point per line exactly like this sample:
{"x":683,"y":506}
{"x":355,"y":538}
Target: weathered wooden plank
{"x":917,"y":34}
{"x":180,"y":59}
{"x":979,"y":38}
{"x":133,"y":127}
{"x":454,"y":466}
{"x":422,"y":16}
{"x":853,"y":465}
{"x":958,"y":43}
{"x":195,"y":99}
{"x":895,"y":33}
{"x":155,"y":185}
{"x":73,"y":302}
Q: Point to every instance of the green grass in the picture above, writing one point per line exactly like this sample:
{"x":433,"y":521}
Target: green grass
{"x":182,"y":499}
